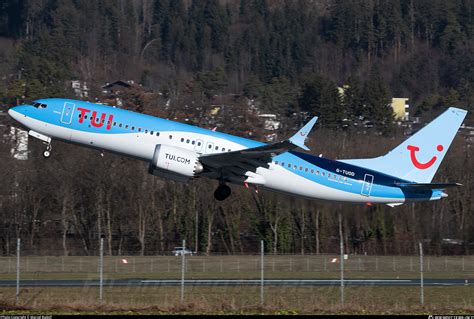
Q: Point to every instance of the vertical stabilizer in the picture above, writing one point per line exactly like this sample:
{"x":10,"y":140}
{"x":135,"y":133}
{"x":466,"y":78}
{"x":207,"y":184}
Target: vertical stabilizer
{"x":418,"y":158}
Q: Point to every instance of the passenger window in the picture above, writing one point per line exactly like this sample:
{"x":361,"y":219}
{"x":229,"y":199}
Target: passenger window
{"x":126,"y":126}
{"x":85,"y":117}
{"x":194,"y":142}
{"x":157,"y":133}
{"x":301,"y":168}
{"x":133,"y":128}
{"x":306,"y":169}
{"x":276,"y":162}
{"x":151,"y":132}
{"x":289,"y":165}
{"x":317,"y":172}
{"x":115,"y":123}
{"x":120,"y":125}
{"x":209,"y":146}
{"x":146,"y":131}
{"x":182,"y":139}
{"x":312,"y":171}
{"x":171,"y":136}
{"x":139,"y":129}
{"x":217,"y":148}
{"x":187,"y":141}
{"x":199,"y":143}
{"x":294,"y":166}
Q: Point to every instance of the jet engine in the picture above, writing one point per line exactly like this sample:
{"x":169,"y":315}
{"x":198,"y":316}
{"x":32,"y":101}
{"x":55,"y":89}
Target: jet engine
{"x":174,"y":163}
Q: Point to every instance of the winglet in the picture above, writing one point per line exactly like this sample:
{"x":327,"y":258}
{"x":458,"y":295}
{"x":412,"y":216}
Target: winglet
{"x":299,"y":138}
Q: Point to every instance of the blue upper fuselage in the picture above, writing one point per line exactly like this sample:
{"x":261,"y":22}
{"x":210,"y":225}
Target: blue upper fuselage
{"x":112,"y":120}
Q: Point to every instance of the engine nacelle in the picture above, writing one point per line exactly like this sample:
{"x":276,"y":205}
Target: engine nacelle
{"x":174,"y":163}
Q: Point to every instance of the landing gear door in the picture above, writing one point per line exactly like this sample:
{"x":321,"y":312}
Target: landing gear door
{"x":367,"y":185}
{"x":68,"y":111}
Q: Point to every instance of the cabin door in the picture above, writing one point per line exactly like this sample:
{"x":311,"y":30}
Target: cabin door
{"x":68,"y":111}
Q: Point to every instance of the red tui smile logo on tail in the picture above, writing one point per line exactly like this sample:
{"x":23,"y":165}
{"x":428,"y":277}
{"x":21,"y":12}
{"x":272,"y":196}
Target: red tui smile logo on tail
{"x":414,"y":160}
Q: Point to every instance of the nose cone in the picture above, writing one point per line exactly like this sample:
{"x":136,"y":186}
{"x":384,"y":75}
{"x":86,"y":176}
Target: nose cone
{"x":14,"y":113}
{"x":19,"y":113}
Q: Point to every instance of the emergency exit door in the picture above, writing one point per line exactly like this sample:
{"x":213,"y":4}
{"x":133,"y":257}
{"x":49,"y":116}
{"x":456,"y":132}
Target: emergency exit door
{"x":367,"y":185}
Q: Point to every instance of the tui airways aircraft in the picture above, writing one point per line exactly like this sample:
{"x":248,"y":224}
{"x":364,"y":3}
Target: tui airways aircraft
{"x":180,"y":152}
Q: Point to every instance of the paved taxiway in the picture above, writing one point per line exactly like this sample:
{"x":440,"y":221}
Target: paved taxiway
{"x":238,"y":282}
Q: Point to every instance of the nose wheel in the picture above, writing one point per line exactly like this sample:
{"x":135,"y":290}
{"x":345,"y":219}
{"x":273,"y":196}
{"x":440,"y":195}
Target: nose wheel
{"x":222,"y":192}
{"x":47,"y":152}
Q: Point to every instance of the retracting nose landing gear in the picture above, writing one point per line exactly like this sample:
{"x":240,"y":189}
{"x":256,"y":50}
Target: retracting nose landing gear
{"x":222,"y":192}
{"x":47,"y":152}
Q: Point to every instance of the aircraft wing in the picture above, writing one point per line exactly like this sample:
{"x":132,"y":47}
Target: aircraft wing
{"x":234,"y":165}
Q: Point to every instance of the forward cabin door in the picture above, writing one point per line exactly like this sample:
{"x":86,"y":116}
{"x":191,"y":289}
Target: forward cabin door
{"x":68,"y":111}
{"x":367,"y":185}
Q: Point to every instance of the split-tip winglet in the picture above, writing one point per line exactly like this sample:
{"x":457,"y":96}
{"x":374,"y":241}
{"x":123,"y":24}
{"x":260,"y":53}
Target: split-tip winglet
{"x":299,"y":138}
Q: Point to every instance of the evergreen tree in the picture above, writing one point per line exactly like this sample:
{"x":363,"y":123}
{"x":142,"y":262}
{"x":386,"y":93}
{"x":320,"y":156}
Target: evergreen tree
{"x":320,"y":97}
{"x":377,"y":106}
{"x":253,"y":88}
{"x":15,"y":92}
{"x":279,"y":96}
{"x":212,"y":82}
{"x":353,"y":99}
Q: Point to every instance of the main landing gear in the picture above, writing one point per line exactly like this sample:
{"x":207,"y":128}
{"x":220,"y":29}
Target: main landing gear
{"x":222,"y":192}
{"x":47,"y":153}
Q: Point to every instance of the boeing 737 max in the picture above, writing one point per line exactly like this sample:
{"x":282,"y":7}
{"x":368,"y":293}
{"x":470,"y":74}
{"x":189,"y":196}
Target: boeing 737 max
{"x":180,"y":152}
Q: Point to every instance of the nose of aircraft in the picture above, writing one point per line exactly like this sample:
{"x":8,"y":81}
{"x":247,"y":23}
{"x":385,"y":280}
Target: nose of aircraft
{"x":18,"y":112}
{"x":13,"y":113}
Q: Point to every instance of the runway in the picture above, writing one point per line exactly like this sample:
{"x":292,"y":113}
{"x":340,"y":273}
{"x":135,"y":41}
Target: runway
{"x":237,"y":282}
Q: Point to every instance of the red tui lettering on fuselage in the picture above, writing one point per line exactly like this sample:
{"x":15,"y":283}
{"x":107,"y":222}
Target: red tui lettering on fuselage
{"x":94,"y":123}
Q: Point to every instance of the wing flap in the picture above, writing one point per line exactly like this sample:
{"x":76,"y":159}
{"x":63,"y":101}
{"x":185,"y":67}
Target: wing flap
{"x":237,"y":163}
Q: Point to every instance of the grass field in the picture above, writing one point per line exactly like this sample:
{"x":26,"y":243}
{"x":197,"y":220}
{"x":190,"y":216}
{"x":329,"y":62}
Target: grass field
{"x":218,"y":299}
{"x":235,"y":299}
{"x":238,"y":264}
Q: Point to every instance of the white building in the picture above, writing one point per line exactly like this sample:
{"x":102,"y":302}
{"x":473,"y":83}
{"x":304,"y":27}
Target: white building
{"x":19,"y":142}
{"x":270,"y":121}
{"x":80,"y":88}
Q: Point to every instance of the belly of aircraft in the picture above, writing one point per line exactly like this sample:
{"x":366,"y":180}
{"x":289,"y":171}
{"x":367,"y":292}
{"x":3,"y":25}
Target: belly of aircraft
{"x":283,"y":180}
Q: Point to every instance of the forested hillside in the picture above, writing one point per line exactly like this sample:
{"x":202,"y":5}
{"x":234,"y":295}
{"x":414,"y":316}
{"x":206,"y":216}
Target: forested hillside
{"x":284,"y":57}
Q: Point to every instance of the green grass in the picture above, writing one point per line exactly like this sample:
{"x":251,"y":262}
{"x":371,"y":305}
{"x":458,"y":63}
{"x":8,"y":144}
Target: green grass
{"x":279,"y":266}
{"x":240,"y":299}
{"x":305,"y":300}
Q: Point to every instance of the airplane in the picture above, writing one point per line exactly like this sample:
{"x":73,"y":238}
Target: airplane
{"x":181,"y":152}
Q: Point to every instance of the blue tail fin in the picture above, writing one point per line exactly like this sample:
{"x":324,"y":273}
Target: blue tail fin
{"x":417,"y":159}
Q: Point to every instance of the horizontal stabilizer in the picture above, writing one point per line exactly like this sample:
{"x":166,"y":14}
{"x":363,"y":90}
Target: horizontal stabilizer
{"x":394,"y":204}
{"x":426,"y":186}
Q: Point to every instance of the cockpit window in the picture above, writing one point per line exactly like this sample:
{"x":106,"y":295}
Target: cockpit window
{"x":39,"y":105}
